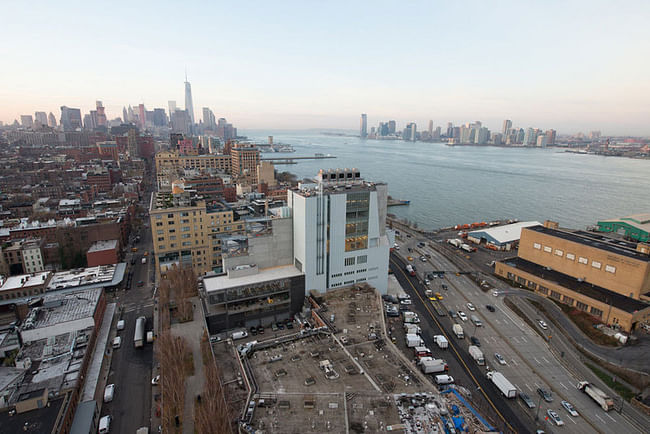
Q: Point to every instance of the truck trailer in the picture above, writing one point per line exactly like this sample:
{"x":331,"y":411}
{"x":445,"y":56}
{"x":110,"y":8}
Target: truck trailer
{"x":441,"y":341}
{"x":413,"y":340}
{"x":458,"y":331}
{"x":429,"y":365}
{"x":502,"y":383}
{"x":605,"y":402}
{"x":477,"y":354}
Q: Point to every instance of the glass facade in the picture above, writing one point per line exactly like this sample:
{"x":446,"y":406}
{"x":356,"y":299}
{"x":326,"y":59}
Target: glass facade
{"x":356,"y":221}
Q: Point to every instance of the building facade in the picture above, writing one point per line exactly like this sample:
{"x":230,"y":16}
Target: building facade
{"x":339,"y":235}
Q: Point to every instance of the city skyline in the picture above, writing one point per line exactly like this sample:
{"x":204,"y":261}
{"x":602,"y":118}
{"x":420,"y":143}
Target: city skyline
{"x":504,"y":63}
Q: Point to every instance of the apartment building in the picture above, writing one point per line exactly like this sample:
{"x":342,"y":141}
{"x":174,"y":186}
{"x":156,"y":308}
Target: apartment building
{"x":608,"y":278}
{"x":245,"y":159}
{"x":170,"y":163}
{"x":187,"y":232}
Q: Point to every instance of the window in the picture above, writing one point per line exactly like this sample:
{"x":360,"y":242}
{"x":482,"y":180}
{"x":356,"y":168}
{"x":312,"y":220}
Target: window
{"x":521,"y":280}
{"x":596,"y":312}
{"x":161,"y":247}
{"x":185,"y":229}
{"x":158,"y":216}
{"x":548,"y":249}
{"x":161,"y":238}
{"x":543,"y":289}
{"x":187,"y":243}
{"x":595,"y":264}
{"x":559,"y":252}
{"x":363,"y":279}
{"x":571,"y":256}
{"x":159,"y":224}
{"x":362,"y":259}
{"x":170,"y":216}
{"x":349,"y":261}
{"x":532,"y":285}
{"x":556,"y":295}
{"x":610,"y":269}
{"x":583,"y":260}
{"x":537,"y":246}
{"x":186,"y":236}
{"x":363,"y":270}
{"x":568,"y":300}
{"x":159,"y":231}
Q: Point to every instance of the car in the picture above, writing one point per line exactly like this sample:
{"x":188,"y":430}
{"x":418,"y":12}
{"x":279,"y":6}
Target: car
{"x":495,"y":293}
{"x":542,"y":324}
{"x":410,"y":258}
{"x":462,"y":315}
{"x":427,"y":281}
{"x":420,"y":244}
{"x":554,"y":417}
{"x":280,"y":325}
{"x":427,"y":255}
{"x":260,"y":330}
{"x":545,"y":394}
{"x":568,"y":407}
{"x":444,"y":287}
{"x":453,"y":314}
{"x":155,"y":380}
{"x":500,"y":358}
{"x":253,"y":330}
{"x":471,"y":307}
{"x":423,"y":259}
{"x":215,"y":339}
{"x":133,"y":261}
{"x":490,"y":307}
{"x":109,"y":392}
{"x":105,"y":424}
{"x":120,"y":324}
{"x":527,"y":400}
{"x":117,"y":342}
{"x":396,"y":247}
{"x":439,"y":296}
{"x":140,"y":283}
{"x":274,"y":327}
{"x":475,"y":341}
{"x":430,"y":276}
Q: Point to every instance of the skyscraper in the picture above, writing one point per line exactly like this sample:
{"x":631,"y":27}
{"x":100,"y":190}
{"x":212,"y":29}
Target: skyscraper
{"x":430,"y":128}
{"x":101,"y":114}
{"x":125,"y":116}
{"x":70,"y":118}
{"x":51,"y":120}
{"x":392,"y":127}
{"x":363,"y":130}
{"x":172,"y":108}
{"x":26,"y":121}
{"x":189,"y":106}
{"x":40,"y":119}
{"x":507,"y":124}
{"x":209,"y":121}
{"x":142,"y":115}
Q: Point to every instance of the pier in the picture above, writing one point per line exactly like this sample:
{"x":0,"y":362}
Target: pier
{"x":291,"y":160}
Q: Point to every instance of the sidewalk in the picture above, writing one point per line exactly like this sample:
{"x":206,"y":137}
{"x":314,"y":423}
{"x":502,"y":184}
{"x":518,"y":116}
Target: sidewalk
{"x":192,"y":332}
{"x":101,"y":361}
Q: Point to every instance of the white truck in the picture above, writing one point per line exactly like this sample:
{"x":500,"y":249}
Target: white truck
{"x":605,"y":402}
{"x":477,"y":354}
{"x":411,"y":317}
{"x":412,"y":328}
{"x":144,"y":260}
{"x":429,"y":365}
{"x":502,"y":383}
{"x":458,"y":331}
{"x":413,"y":340}
{"x":239,"y":335}
{"x":467,"y":248}
{"x":441,"y":341}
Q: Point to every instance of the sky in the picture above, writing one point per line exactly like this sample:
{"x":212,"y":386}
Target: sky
{"x":569,"y":65}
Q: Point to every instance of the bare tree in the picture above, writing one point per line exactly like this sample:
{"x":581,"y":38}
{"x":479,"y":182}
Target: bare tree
{"x":211,"y":414}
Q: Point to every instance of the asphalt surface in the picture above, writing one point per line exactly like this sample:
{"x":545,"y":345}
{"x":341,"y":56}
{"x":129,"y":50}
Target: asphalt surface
{"x":131,"y":368}
{"x":529,"y":360}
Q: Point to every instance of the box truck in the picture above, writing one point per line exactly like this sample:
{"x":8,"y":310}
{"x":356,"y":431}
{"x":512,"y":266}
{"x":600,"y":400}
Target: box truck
{"x":477,"y":354}
{"x":502,"y":383}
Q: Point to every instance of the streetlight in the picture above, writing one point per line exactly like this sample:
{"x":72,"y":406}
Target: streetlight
{"x":539,"y":405}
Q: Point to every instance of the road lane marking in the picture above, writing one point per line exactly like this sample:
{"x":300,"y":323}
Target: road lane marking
{"x":544,"y":358}
{"x":571,"y":419}
{"x":529,"y":388}
{"x":601,"y":419}
{"x":538,"y":362}
{"x":514,"y":338}
{"x":610,"y":417}
{"x":523,"y":339}
{"x":561,"y":384}
{"x":515,"y":362}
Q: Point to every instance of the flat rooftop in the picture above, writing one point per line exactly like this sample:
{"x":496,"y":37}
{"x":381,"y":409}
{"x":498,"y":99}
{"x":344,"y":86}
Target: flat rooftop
{"x":102,"y":274}
{"x":25,"y":281}
{"x":599,"y":293}
{"x":60,"y":308}
{"x":596,"y":240}
{"x":219,"y":283}
{"x":503,"y":234}
{"x":640,"y":221}
{"x":103,"y":245}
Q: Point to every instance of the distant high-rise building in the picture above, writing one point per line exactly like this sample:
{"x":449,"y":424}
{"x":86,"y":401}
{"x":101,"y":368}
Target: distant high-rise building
{"x":172,"y":108}
{"x":142,"y":116}
{"x":159,"y":117}
{"x":436,"y":133}
{"x":51,"y":120}
{"x":482,"y":136}
{"x":130,"y":115}
{"x":507,"y":124}
{"x":363,"y":128}
{"x":529,"y":137}
{"x":209,"y":121}
{"x":89,"y":122}
{"x":450,"y":129}
{"x":430,"y":128}
{"x":26,"y":121}
{"x":541,"y":141}
{"x":189,"y":106}
{"x":101,"y":114}
{"x":125,"y":115}
{"x":550,"y":137}
{"x":40,"y":119}
{"x":180,"y":120}
{"x":392,"y":127}
{"x":70,"y":118}
{"x":410,"y":132}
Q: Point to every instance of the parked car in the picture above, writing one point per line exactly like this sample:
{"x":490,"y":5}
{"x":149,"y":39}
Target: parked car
{"x":453,"y":314}
{"x":527,"y":400}
{"x":120,"y":324}
{"x":554,"y":417}
{"x":545,"y":394}
{"x":109,"y":392}
{"x":253,"y":330}
{"x":475,"y":341}
{"x":500,"y":358}
{"x":471,"y":307}
{"x":274,"y":327}
{"x":117,"y":342}
{"x":105,"y":424}
{"x":444,"y":287}
{"x":439,"y":296}
{"x":568,"y":407}
{"x":260,"y":330}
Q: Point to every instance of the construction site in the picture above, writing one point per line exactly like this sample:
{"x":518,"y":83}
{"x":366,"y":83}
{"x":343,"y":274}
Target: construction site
{"x":336,"y":372}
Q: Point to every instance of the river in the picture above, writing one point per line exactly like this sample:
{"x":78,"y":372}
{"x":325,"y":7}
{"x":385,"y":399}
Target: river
{"x":450,"y":185}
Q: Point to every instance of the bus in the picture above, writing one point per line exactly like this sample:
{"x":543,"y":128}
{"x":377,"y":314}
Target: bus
{"x":140,"y":323}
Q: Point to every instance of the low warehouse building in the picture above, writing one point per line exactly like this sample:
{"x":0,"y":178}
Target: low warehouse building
{"x":635,"y":227}
{"x":500,"y":237}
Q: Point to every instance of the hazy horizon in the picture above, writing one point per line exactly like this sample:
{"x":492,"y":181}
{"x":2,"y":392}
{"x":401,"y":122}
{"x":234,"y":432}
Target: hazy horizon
{"x":576,"y":66}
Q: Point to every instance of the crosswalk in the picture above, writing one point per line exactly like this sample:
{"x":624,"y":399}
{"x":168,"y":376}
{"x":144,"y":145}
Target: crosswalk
{"x":132,"y":307}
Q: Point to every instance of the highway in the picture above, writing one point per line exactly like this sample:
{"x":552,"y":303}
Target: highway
{"x":530,"y":363}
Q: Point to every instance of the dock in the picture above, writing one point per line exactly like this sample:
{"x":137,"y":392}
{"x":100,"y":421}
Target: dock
{"x":397,"y":202}
{"x":292,"y":160}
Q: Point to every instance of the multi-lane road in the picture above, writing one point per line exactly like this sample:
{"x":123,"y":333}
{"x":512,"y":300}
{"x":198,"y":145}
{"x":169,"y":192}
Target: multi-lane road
{"x":131,"y":368}
{"x":529,"y":362}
